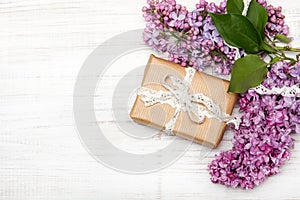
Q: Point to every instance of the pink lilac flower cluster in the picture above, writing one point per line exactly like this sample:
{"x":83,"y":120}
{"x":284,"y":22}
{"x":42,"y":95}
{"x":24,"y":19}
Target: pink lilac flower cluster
{"x":263,"y":141}
{"x":275,"y":23}
{"x":191,"y":39}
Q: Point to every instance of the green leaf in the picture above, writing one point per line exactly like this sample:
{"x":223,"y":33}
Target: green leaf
{"x":237,"y":31}
{"x":235,"y":6}
{"x":258,"y":16}
{"x":247,"y":72}
{"x":283,"y":38}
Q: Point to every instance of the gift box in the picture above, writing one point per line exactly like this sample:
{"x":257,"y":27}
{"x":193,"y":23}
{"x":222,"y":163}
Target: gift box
{"x":183,"y":102}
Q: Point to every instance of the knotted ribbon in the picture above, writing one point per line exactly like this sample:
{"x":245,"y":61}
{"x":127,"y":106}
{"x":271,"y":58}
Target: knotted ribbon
{"x":292,"y":91}
{"x":198,"y":106}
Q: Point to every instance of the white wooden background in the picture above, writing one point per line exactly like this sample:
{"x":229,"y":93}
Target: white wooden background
{"x":43,"y":44}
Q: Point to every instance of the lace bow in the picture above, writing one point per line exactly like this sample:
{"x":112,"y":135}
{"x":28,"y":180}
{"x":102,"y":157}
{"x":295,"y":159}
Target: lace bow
{"x":198,"y":106}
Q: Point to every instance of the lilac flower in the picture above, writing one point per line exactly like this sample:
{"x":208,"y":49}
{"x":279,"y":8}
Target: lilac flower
{"x":154,"y":38}
{"x":295,"y":72}
{"x":275,"y":117}
{"x":214,"y":36}
{"x":168,"y":16}
{"x":151,"y":38}
{"x":192,"y":20}
{"x":263,"y":141}
{"x":177,"y":19}
{"x":201,"y":6}
{"x":276,"y":20}
{"x":208,"y":26}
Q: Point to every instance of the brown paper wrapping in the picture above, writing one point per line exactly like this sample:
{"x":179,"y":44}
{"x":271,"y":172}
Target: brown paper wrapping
{"x":211,"y":131}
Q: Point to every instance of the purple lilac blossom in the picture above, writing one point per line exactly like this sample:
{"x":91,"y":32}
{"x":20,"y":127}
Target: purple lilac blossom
{"x":263,"y":141}
{"x":177,"y":19}
{"x":194,"y":30}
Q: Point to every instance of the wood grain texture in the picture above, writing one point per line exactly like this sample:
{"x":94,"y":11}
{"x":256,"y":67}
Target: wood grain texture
{"x":43,"y":45}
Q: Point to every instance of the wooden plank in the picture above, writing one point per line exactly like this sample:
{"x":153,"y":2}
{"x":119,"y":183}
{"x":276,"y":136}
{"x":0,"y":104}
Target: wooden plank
{"x":42,"y":48}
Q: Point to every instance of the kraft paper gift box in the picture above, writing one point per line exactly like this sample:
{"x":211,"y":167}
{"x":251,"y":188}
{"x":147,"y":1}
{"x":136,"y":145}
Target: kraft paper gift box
{"x":161,"y":77}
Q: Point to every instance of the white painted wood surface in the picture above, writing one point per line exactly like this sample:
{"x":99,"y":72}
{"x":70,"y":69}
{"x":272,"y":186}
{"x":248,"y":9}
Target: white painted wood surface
{"x":42,"y":47}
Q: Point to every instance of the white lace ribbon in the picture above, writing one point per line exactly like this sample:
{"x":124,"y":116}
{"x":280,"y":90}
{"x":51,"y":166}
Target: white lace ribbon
{"x":293,"y":91}
{"x":198,"y":106}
